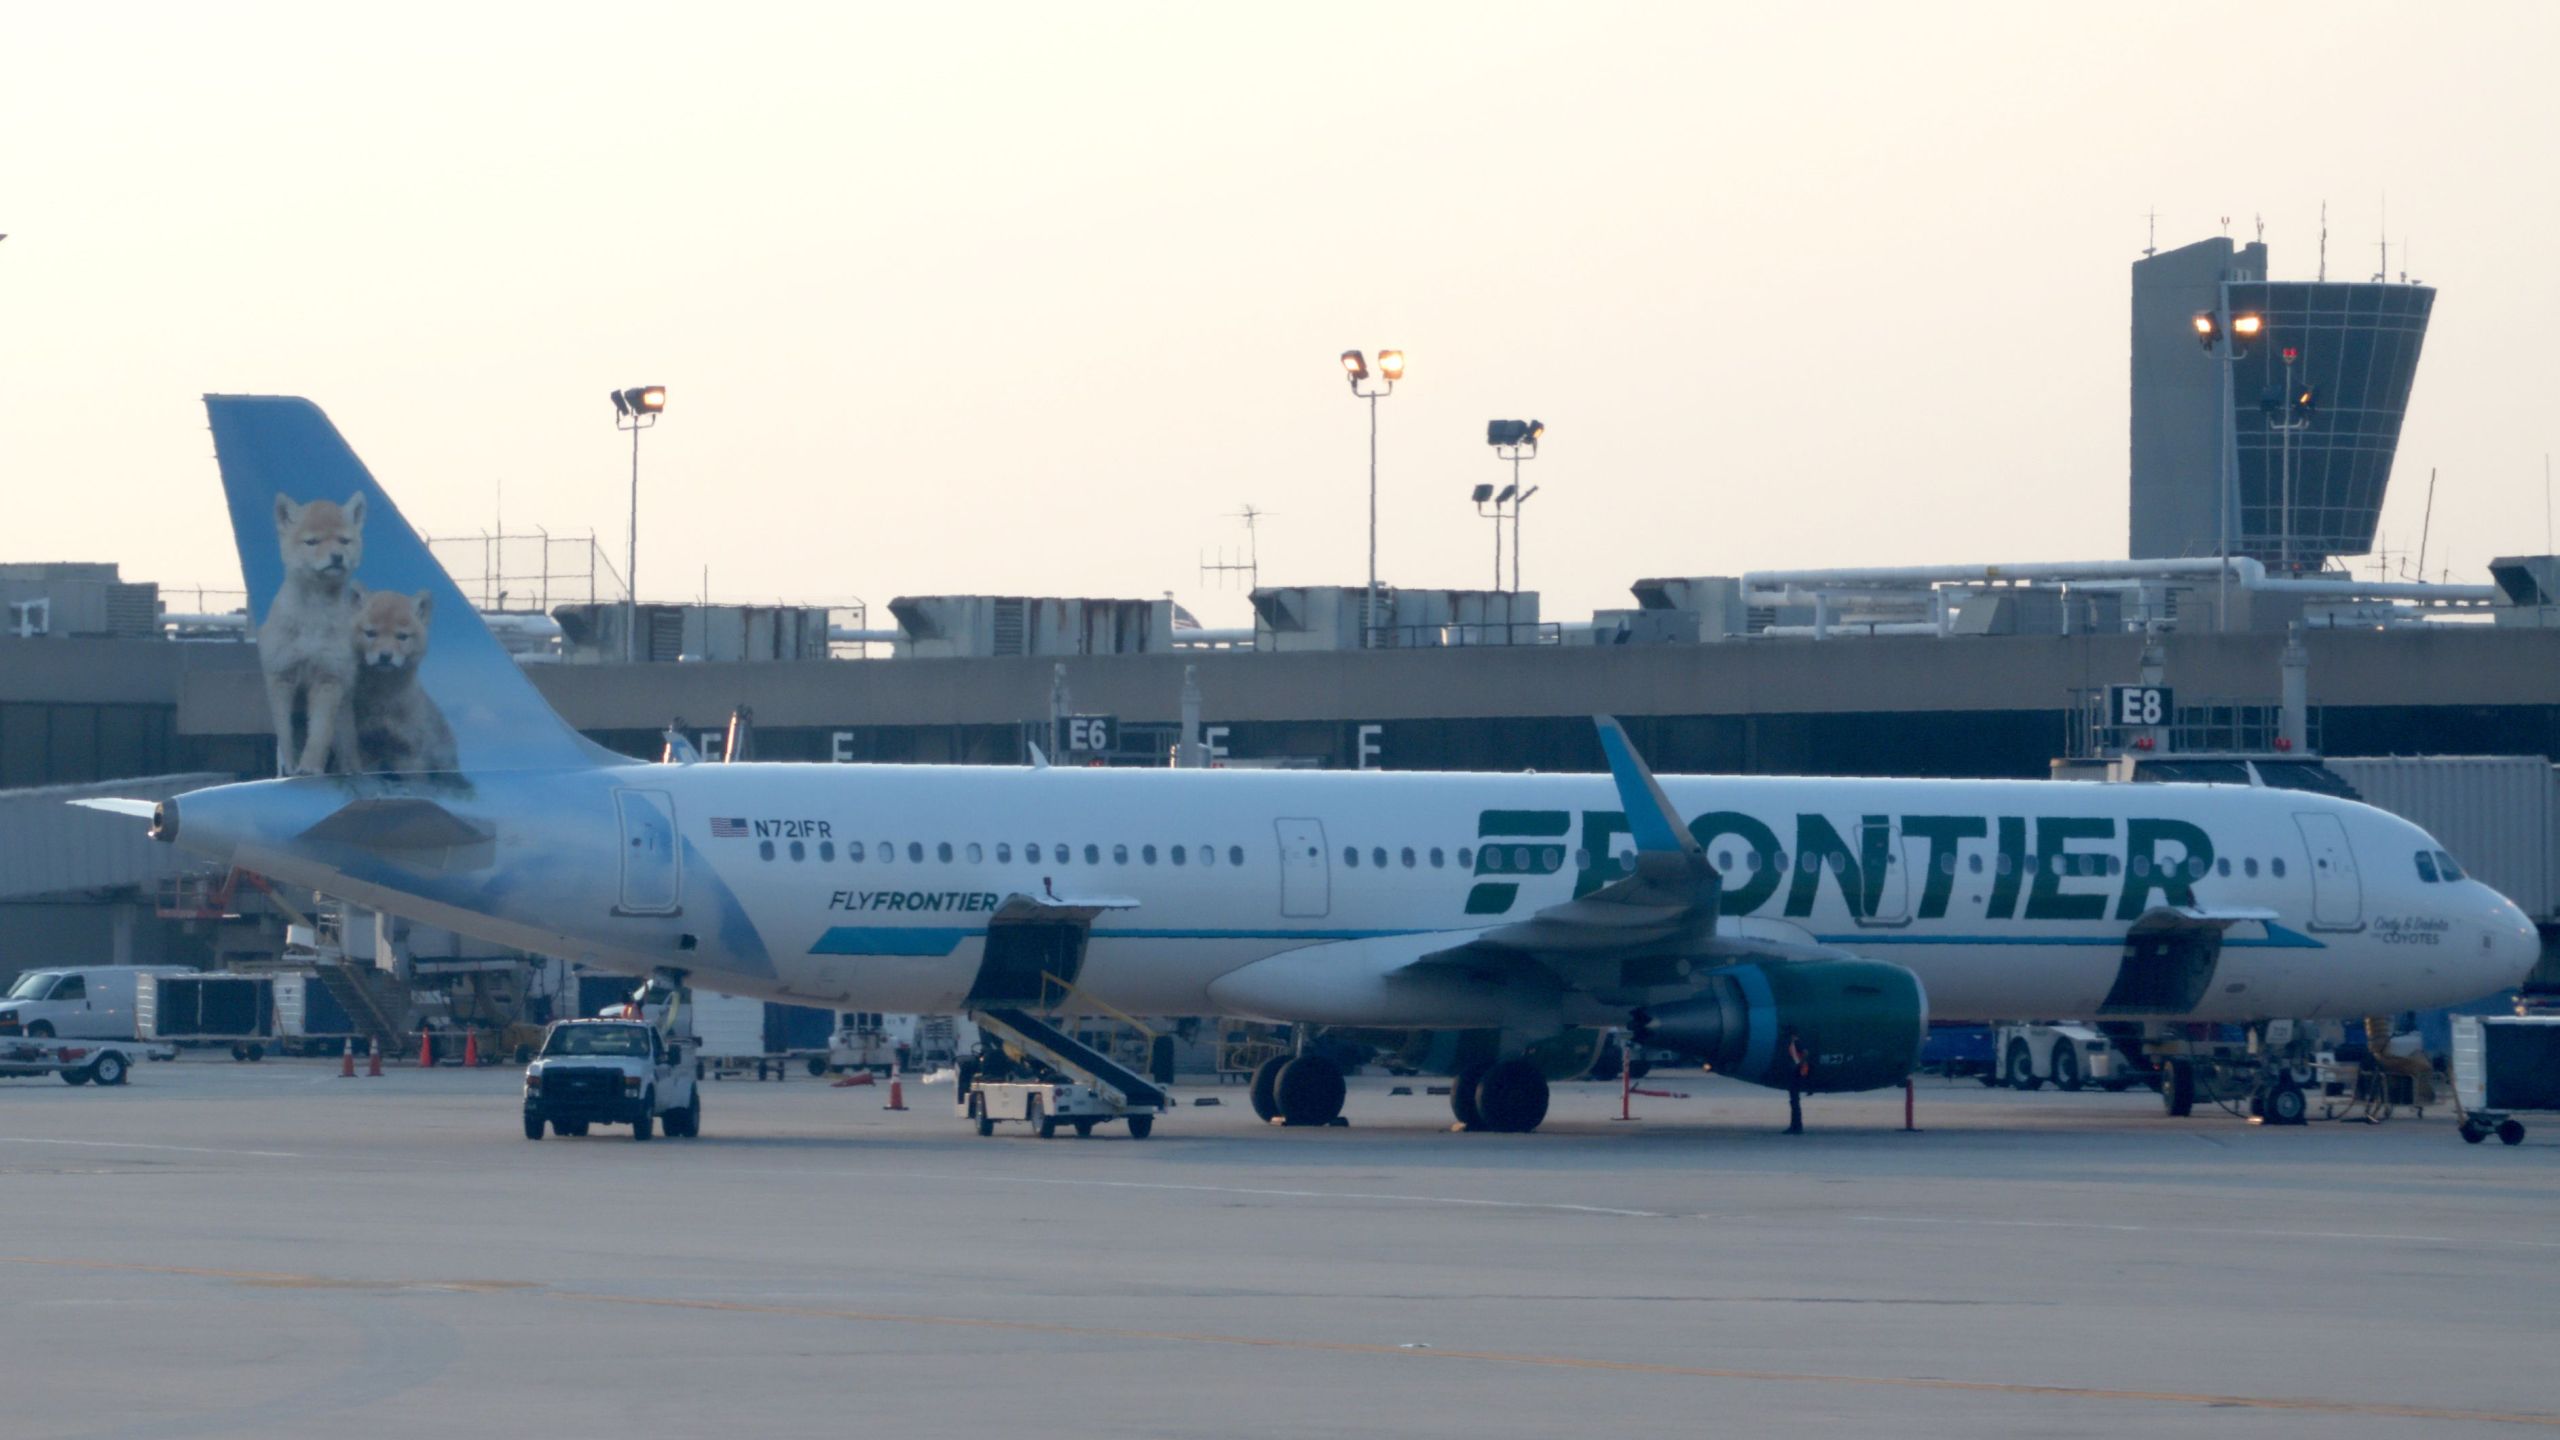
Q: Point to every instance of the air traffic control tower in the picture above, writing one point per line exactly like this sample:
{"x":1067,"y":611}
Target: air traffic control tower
{"x":2305,"y":481}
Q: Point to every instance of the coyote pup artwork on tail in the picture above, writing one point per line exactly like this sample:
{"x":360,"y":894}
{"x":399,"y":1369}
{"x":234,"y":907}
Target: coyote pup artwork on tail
{"x":306,"y":648}
{"x":399,"y":729}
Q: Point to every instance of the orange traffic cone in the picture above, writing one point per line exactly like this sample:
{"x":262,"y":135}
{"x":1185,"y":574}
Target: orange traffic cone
{"x":470,"y":1049}
{"x":426,"y":1049}
{"x":373,"y":1067}
{"x":897,"y":1091}
{"x":347,"y":1062}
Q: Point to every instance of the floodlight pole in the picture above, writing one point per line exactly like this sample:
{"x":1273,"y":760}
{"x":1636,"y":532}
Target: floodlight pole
{"x":635,"y":423}
{"x":1369,"y":605}
{"x":1527,"y":450}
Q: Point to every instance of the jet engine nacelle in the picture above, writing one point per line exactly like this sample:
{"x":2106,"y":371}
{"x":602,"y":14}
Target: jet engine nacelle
{"x":1860,"y":1023}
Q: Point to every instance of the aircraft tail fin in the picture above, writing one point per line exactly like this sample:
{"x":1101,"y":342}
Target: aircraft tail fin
{"x":373,"y":660}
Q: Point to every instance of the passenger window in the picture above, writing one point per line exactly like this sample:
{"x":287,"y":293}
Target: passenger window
{"x":1004,"y":852}
{"x":1235,"y":854}
{"x":1178,"y":855}
{"x":1119,"y":854}
{"x":2450,"y":871}
{"x":888,"y":851}
{"x":1493,"y":857}
{"x":1147,"y":853}
{"x":975,"y":854}
{"x":2008,"y":864}
{"x":799,"y":851}
{"x":2426,"y":867}
{"x":1555,"y":857}
{"x":2275,"y":867}
{"x":1946,"y":864}
{"x":915,"y":852}
{"x":1973,"y":863}
{"x":1466,"y":857}
{"x":1437,"y":857}
{"x":1208,"y":854}
{"x":1093,"y":854}
{"x":1724,"y":859}
{"x":942,"y":852}
{"x":2222,"y":867}
{"x":1351,"y":857}
{"x":1752,"y":860}
{"x":1408,"y":857}
{"x":826,"y":849}
{"x":764,"y":849}
{"x":2249,"y":867}
{"x":853,"y":851}
{"x":1378,"y":857}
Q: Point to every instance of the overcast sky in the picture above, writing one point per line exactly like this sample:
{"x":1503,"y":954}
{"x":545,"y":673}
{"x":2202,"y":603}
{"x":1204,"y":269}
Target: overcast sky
{"x":1032,"y":298}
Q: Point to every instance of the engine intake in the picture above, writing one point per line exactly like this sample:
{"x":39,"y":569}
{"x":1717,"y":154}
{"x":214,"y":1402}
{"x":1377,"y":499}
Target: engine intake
{"x":1860,"y":1023}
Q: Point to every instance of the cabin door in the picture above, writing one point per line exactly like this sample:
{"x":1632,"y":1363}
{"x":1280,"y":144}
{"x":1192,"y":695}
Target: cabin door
{"x":652,"y":872}
{"x":1306,"y":879}
{"x":2337,"y":892}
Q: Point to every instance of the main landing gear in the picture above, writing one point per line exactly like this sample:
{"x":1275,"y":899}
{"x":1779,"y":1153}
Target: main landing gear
{"x":1299,"y":1090}
{"x":1508,"y":1096}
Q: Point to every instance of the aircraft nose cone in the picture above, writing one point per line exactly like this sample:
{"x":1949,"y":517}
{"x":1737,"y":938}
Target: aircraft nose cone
{"x":2514,"y":945}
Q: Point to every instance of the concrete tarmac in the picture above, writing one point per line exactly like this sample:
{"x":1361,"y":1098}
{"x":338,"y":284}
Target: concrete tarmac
{"x":220,"y":1249}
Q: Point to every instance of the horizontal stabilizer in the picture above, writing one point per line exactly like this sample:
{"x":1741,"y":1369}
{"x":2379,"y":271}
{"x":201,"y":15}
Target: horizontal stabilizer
{"x":397,"y":823}
{"x":115,"y":805}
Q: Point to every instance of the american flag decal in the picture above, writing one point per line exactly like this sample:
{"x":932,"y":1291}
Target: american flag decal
{"x":724,"y":828}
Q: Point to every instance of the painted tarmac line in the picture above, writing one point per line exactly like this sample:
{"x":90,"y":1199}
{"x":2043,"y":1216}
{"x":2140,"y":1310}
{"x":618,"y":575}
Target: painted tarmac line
{"x":2182,"y":1399}
{"x":1270,"y":1193}
{"x":2360,"y":1237}
{"x":138,"y":1145}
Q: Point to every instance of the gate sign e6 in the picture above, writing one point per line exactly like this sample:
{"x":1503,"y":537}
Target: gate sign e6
{"x":1090,"y":734}
{"x":2136,"y":705}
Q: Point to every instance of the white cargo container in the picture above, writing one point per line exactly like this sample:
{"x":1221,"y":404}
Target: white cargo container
{"x":728,"y":1031}
{"x":2496,"y":813}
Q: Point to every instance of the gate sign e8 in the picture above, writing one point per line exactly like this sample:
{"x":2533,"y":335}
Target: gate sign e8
{"x":1090,"y":734}
{"x":2136,"y":705}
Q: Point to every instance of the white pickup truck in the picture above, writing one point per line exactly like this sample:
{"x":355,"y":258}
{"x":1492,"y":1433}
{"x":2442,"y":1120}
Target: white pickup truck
{"x":611,"y":1072}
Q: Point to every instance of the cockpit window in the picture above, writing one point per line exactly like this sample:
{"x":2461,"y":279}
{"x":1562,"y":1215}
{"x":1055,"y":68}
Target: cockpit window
{"x":2426,"y":867}
{"x":2445,"y":865}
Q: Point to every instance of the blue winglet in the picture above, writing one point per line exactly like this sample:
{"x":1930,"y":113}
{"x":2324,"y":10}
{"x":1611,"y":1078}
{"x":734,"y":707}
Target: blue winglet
{"x":1650,"y":818}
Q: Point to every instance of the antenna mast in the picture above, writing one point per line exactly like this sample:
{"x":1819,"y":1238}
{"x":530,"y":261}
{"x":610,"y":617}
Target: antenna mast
{"x":2324,"y":240}
{"x":1251,"y":565}
{"x":2428,"y":524}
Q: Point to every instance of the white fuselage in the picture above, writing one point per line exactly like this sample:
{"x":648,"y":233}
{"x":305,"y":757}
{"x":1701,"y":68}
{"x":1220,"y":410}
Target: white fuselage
{"x":872,"y":886}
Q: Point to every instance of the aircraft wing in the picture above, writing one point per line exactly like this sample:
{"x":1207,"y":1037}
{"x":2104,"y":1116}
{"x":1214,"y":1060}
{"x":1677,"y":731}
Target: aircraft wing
{"x":1655,"y":925}
{"x":2190,"y":917}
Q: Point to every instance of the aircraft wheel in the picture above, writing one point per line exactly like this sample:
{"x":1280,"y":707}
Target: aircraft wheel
{"x":2286,"y":1106}
{"x":1462,"y":1095}
{"x":2511,"y":1132}
{"x":2178,"y":1088}
{"x":1512,"y":1097}
{"x":1309,"y":1091}
{"x":1266,"y":1088}
{"x":2022,"y":1067}
{"x":2066,"y":1066}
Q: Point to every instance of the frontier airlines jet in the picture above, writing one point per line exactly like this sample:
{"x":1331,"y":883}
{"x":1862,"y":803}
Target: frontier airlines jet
{"x":1797,"y":933}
